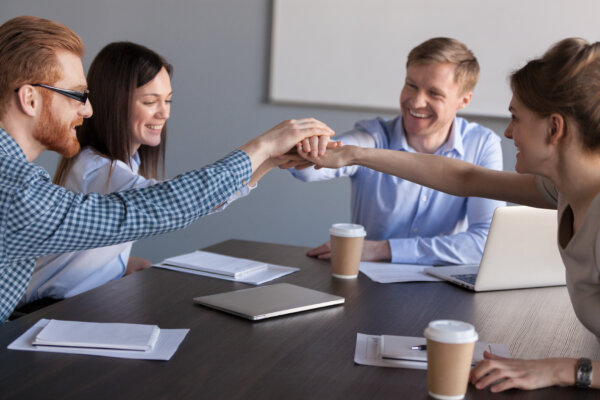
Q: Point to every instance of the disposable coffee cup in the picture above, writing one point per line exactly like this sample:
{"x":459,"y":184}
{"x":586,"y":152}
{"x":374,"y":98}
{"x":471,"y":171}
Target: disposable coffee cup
{"x":346,"y":249}
{"x":450,"y":347}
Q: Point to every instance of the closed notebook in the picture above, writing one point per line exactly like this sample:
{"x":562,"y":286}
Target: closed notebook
{"x":98,"y":335}
{"x":216,"y":263}
{"x":400,"y":348}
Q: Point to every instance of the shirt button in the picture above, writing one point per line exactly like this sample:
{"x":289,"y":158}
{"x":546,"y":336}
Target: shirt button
{"x":424,"y":198}
{"x":238,"y":193}
{"x":244,"y":182}
{"x":416,"y":230}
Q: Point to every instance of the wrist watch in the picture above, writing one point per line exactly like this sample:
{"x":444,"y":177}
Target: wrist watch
{"x":583,"y":377}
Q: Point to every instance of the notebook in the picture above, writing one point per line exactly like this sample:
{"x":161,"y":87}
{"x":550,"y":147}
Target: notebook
{"x":216,"y":264}
{"x":98,"y":335}
{"x":402,"y":348}
{"x":269,"y":301}
{"x":520,"y":252}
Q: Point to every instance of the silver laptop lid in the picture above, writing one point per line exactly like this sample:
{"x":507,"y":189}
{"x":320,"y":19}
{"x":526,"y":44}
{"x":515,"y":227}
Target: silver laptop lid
{"x":269,"y":301}
{"x":521,"y":251}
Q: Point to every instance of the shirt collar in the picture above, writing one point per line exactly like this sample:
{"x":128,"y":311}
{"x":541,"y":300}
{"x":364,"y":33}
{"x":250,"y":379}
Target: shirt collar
{"x":454,"y":142}
{"x":10,"y":147}
{"x":135,"y":162}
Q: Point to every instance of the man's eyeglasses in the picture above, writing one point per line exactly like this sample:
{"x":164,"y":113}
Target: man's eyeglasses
{"x":73,"y":94}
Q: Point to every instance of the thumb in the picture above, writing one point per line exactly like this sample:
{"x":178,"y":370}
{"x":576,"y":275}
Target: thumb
{"x":491,"y":356}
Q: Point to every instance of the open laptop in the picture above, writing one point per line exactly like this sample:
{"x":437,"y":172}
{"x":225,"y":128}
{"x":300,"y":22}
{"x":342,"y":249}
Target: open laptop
{"x":269,"y":301}
{"x":520,"y":252}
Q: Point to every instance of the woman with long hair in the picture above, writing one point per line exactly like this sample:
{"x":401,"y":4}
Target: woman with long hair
{"x":122,"y":147}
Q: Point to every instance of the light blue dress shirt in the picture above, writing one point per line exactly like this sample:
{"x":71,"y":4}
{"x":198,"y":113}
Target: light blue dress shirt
{"x":65,"y":275}
{"x":422,"y":225}
{"x":38,"y":218}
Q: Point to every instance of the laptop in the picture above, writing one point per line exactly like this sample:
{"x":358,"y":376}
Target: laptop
{"x":269,"y":301}
{"x":520,"y":252}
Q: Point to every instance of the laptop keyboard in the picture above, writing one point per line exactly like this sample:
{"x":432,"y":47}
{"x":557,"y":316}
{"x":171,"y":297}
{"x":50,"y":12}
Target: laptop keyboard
{"x":469,"y":278}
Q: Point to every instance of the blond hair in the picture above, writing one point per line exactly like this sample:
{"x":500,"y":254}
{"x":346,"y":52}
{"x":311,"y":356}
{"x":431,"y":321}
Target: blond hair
{"x":28,"y":48}
{"x":442,"y":50}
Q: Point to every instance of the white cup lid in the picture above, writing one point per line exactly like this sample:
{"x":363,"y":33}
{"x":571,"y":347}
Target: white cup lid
{"x":450,"y":331}
{"x":347,"y":230}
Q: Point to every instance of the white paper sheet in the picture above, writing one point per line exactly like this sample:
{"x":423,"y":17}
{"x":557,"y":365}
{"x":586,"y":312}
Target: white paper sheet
{"x":214,"y":263}
{"x":168,"y":342}
{"x":368,"y":352}
{"x":390,"y":273}
{"x":100,"y":335}
{"x":254,"y":278}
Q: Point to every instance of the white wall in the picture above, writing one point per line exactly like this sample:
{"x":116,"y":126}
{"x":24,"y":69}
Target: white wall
{"x":220,"y":51}
{"x":343,"y":52}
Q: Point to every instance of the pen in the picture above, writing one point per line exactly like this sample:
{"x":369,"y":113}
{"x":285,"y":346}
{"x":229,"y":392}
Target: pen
{"x":419,"y":347}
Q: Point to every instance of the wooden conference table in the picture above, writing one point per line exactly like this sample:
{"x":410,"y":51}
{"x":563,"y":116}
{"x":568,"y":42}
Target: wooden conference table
{"x":308,"y":355}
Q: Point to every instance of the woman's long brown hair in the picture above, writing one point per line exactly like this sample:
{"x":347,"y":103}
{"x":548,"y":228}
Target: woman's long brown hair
{"x":115,"y":73}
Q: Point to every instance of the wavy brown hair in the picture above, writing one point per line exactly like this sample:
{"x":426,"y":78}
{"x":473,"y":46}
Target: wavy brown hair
{"x":118,"y":69}
{"x":565,"y":80}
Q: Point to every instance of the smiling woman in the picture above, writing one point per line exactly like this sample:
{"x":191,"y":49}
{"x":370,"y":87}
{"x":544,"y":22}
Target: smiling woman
{"x":123,"y":147}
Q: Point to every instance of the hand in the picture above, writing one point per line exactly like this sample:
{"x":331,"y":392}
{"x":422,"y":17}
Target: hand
{"x":505,"y":373}
{"x":373,"y":250}
{"x":336,"y":157}
{"x":292,"y":159}
{"x":136,"y":264}
{"x":316,"y":145}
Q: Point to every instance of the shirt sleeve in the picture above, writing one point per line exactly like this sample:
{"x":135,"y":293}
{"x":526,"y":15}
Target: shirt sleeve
{"x":460,"y":248}
{"x":355,"y":138}
{"x":43,"y":218}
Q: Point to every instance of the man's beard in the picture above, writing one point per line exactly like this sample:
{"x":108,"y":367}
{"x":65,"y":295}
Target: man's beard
{"x":55,"y":135}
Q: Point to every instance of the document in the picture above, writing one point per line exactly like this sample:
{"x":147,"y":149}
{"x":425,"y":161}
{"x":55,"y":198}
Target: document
{"x":215,"y":264}
{"x":369,"y":349}
{"x":136,"y":337}
{"x":392,"y":273}
{"x":166,"y":345}
{"x":257,"y":277}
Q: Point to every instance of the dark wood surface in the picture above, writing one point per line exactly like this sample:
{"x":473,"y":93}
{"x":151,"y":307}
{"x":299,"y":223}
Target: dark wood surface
{"x":303,"y":356}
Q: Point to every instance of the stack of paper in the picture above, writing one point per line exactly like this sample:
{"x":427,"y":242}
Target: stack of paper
{"x":146,"y":342}
{"x":398,"y":352}
{"x":95,"y":335}
{"x":224,"y":267}
{"x":392,"y":273}
{"x":215,"y":264}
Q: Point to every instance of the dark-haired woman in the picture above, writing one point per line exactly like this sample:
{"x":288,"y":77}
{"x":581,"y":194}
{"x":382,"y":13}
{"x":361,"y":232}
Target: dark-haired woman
{"x":123,"y":147}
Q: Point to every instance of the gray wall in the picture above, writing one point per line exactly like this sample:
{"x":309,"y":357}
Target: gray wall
{"x":220,"y":51}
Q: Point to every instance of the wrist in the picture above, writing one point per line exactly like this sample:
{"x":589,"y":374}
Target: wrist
{"x":257,"y":150}
{"x":356,"y":155}
{"x":565,"y":371}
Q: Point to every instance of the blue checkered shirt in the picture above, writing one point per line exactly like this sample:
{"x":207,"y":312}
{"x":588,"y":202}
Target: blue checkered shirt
{"x":38,"y":218}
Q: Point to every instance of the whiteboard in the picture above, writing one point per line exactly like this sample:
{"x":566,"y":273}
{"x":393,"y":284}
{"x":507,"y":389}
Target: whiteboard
{"x":352,"y":53}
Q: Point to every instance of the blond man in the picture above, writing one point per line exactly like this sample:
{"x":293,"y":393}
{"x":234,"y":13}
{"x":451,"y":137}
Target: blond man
{"x":406,"y":222}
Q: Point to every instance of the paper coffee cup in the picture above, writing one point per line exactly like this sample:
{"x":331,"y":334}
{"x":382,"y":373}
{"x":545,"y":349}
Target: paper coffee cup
{"x":450,"y":347}
{"x":346,"y":249}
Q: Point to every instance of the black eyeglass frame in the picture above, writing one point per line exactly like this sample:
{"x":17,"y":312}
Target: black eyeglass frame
{"x":73,"y":94}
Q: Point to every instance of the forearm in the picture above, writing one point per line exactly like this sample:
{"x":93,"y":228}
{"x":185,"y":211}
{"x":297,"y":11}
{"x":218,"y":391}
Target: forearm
{"x":460,"y":248}
{"x":455,"y":177}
